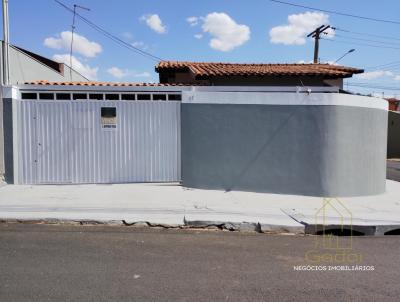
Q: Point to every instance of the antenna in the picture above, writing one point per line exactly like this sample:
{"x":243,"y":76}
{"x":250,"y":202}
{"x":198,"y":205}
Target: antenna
{"x":72,"y":36}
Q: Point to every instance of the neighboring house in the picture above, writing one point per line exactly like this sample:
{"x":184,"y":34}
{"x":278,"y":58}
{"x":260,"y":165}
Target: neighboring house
{"x":394,"y":104}
{"x":27,"y":66}
{"x":235,"y":74}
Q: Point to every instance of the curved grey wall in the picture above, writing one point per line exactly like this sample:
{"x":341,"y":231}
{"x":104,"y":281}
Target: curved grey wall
{"x":318,"y":150}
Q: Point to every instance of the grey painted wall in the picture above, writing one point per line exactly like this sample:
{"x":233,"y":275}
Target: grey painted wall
{"x":330,"y":151}
{"x":1,"y":139}
{"x":7,"y":141}
{"x":393,"y":149}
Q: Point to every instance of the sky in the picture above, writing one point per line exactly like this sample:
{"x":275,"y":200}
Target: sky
{"x":248,"y":31}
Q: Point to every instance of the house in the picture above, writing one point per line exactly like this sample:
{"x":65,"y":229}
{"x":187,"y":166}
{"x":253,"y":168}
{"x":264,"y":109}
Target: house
{"x":394,"y":104}
{"x":234,"y":74}
{"x":27,"y":66}
{"x":311,"y":140}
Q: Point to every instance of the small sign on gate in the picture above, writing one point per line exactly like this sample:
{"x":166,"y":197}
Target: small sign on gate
{"x":109,"y":117}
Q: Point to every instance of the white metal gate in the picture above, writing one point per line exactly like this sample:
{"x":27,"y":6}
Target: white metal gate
{"x":66,"y":142}
{"x":52,"y":142}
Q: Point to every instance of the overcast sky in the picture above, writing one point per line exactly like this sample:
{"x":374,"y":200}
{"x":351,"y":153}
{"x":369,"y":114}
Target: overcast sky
{"x":211,"y":30}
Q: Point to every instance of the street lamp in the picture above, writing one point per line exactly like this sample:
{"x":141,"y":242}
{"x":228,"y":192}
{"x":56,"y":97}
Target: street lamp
{"x":350,"y":51}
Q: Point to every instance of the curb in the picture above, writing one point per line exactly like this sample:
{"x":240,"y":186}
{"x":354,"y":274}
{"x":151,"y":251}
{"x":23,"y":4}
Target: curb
{"x":307,"y":229}
{"x":187,"y":224}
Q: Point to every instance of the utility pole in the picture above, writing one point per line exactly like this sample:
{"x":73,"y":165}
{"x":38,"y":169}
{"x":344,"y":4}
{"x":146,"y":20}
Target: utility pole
{"x":316,"y":34}
{"x":72,"y":37}
{"x":6,"y":37}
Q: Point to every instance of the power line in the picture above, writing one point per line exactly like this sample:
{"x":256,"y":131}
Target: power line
{"x":384,"y":65}
{"x":337,"y":13}
{"x":390,"y":84}
{"x":392,"y":68}
{"x":374,"y":87}
{"x":367,"y":40}
{"x":366,"y":34}
{"x":111,"y":36}
{"x":361,"y":44}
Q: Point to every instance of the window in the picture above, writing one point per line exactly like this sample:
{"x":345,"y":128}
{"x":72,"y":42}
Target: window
{"x":174,"y":97}
{"x":159,"y":97}
{"x":95,"y":96}
{"x":46,"y":96}
{"x":108,"y":117}
{"x":112,"y":97}
{"x":143,"y":97}
{"x":79,"y":96}
{"x":63,"y":96}
{"x":29,"y":96}
{"x":128,"y":97}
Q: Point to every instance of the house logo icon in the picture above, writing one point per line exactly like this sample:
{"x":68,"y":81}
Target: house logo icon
{"x":333,"y":218}
{"x":334,"y":225}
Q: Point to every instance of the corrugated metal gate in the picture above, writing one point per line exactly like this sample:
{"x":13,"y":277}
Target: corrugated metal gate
{"x":71,"y":142}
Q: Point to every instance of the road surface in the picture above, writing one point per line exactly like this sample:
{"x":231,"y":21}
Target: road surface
{"x":97,"y":263}
{"x":393,"y":170}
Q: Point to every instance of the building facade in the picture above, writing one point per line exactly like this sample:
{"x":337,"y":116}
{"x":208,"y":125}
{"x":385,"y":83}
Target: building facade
{"x":310,"y":140}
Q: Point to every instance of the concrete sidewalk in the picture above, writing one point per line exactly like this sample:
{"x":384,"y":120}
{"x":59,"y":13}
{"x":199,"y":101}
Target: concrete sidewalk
{"x":173,"y":205}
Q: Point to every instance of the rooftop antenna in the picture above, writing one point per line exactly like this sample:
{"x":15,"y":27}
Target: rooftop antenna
{"x":72,"y":36}
{"x":6,"y":37}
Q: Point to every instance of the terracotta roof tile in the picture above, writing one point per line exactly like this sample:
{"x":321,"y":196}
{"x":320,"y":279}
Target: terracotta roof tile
{"x":207,"y":69}
{"x":106,"y":84}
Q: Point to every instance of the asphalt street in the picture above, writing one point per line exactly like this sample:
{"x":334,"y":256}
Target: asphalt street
{"x":393,"y":170}
{"x":98,"y":263}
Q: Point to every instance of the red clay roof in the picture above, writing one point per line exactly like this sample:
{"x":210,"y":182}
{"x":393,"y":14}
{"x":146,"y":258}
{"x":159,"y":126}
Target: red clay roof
{"x":206,"y":69}
{"x":108,"y":84}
